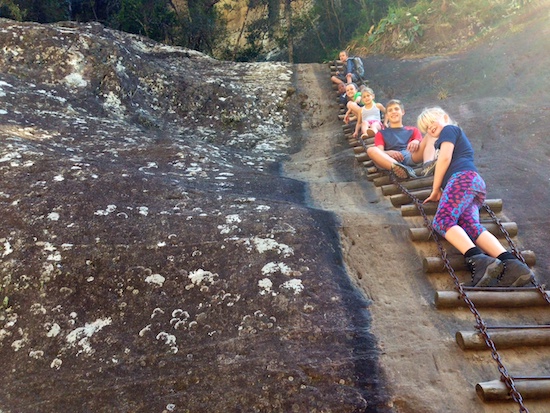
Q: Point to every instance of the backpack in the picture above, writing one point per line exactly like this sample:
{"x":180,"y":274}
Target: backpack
{"x":358,"y":63}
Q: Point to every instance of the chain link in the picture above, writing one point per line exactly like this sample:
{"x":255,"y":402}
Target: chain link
{"x":516,"y":252}
{"x":480,"y":324}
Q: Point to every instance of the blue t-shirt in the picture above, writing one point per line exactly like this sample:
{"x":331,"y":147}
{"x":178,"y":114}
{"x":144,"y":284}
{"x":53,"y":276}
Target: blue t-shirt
{"x":463,"y":153}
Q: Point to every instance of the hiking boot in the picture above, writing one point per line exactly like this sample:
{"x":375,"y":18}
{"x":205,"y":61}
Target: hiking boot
{"x":428,"y":168}
{"x":484,"y":269}
{"x":370,"y":133}
{"x":516,"y":274}
{"x":402,"y":171}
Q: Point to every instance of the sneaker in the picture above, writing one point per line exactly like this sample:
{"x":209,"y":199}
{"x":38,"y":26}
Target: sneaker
{"x":428,"y":168}
{"x":484,"y":269}
{"x":402,"y":171}
{"x":516,"y":274}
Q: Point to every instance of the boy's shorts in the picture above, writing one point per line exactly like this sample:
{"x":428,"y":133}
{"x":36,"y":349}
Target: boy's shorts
{"x":407,"y":160}
{"x":344,"y":79}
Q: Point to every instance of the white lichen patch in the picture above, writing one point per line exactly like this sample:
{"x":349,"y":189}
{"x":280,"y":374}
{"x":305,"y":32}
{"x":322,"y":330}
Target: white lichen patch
{"x":7,"y":249}
{"x":294,"y":285}
{"x":106,"y":211}
{"x":75,"y":80}
{"x":157,"y":311}
{"x":231,"y":219}
{"x":53,"y":216}
{"x":273,"y":267}
{"x":113,"y":104}
{"x":156,"y":279}
{"x":54,"y":330}
{"x":36,"y":354}
{"x":37,"y":309}
{"x":81,"y":336}
{"x":144,"y":330}
{"x":267,"y":244}
{"x":201,"y":276}
{"x":265,"y":285}
{"x":56,"y":363}
{"x":143,"y":210}
{"x":19,"y":344}
{"x":169,"y":340}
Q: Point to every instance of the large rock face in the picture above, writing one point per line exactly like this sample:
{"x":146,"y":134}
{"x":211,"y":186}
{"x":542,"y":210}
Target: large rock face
{"x":153,"y":259}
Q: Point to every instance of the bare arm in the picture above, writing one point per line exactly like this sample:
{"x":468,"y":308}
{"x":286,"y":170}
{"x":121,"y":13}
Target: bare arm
{"x":358,"y":124}
{"x":443,"y":162}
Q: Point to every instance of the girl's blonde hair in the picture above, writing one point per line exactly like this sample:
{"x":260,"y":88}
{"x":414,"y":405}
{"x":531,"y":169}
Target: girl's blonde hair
{"x":368,"y":90}
{"x":429,"y":116}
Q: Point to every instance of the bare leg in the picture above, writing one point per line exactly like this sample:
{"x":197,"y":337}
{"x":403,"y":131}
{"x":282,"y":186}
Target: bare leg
{"x":459,"y":239}
{"x":380,"y":158}
{"x":486,"y":241}
{"x":490,"y":244}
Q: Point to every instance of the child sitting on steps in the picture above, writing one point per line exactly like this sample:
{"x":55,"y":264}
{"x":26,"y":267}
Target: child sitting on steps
{"x":461,"y":191}
{"x":369,"y":118}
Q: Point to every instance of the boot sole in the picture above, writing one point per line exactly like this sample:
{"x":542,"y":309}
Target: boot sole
{"x":522,"y":280}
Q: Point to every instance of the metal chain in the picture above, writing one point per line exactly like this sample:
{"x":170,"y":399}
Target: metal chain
{"x":480,"y":324}
{"x":516,"y":252}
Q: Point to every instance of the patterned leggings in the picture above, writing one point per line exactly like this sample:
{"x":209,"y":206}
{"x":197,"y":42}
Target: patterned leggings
{"x":459,"y":204}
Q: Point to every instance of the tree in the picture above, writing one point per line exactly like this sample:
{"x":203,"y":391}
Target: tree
{"x":41,"y":11}
{"x":9,"y":9}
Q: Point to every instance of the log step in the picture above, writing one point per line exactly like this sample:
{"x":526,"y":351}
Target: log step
{"x":506,"y":338}
{"x":409,"y":210}
{"x":362,"y":157}
{"x":402,"y":199}
{"x":435,"y":264}
{"x":498,"y":298}
{"x":496,"y":390}
{"x":424,"y":234}
{"x":393,"y":189}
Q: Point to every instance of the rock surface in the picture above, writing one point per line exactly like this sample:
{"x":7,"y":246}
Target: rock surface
{"x":153,"y":257}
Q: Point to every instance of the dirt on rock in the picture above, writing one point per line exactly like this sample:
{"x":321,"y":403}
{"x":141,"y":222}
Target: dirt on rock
{"x":497,"y":93}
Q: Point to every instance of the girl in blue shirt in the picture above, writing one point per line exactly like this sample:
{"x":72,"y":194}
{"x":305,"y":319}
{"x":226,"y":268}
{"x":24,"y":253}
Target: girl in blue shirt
{"x":461,"y":192}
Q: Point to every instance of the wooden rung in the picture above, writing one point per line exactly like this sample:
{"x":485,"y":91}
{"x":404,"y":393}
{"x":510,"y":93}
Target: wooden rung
{"x":529,"y":297}
{"x":424,"y":234}
{"x":435,"y":264}
{"x":430,"y":208}
{"x":497,"y":390}
{"x":358,"y":149}
{"x":374,"y":177}
{"x":369,"y":141}
{"x":382,"y":180}
{"x":368,"y":164}
{"x":473,"y":340}
{"x":393,"y":189}
{"x":402,"y":199}
{"x":362,"y":157}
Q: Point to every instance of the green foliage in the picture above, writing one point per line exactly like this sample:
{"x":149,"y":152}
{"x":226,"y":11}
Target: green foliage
{"x":153,"y":19}
{"x":94,"y":10}
{"x":203,"y":27}
{"x":404,"y":25}
{"x":42,"y":11}
{"x":10,"y":10}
